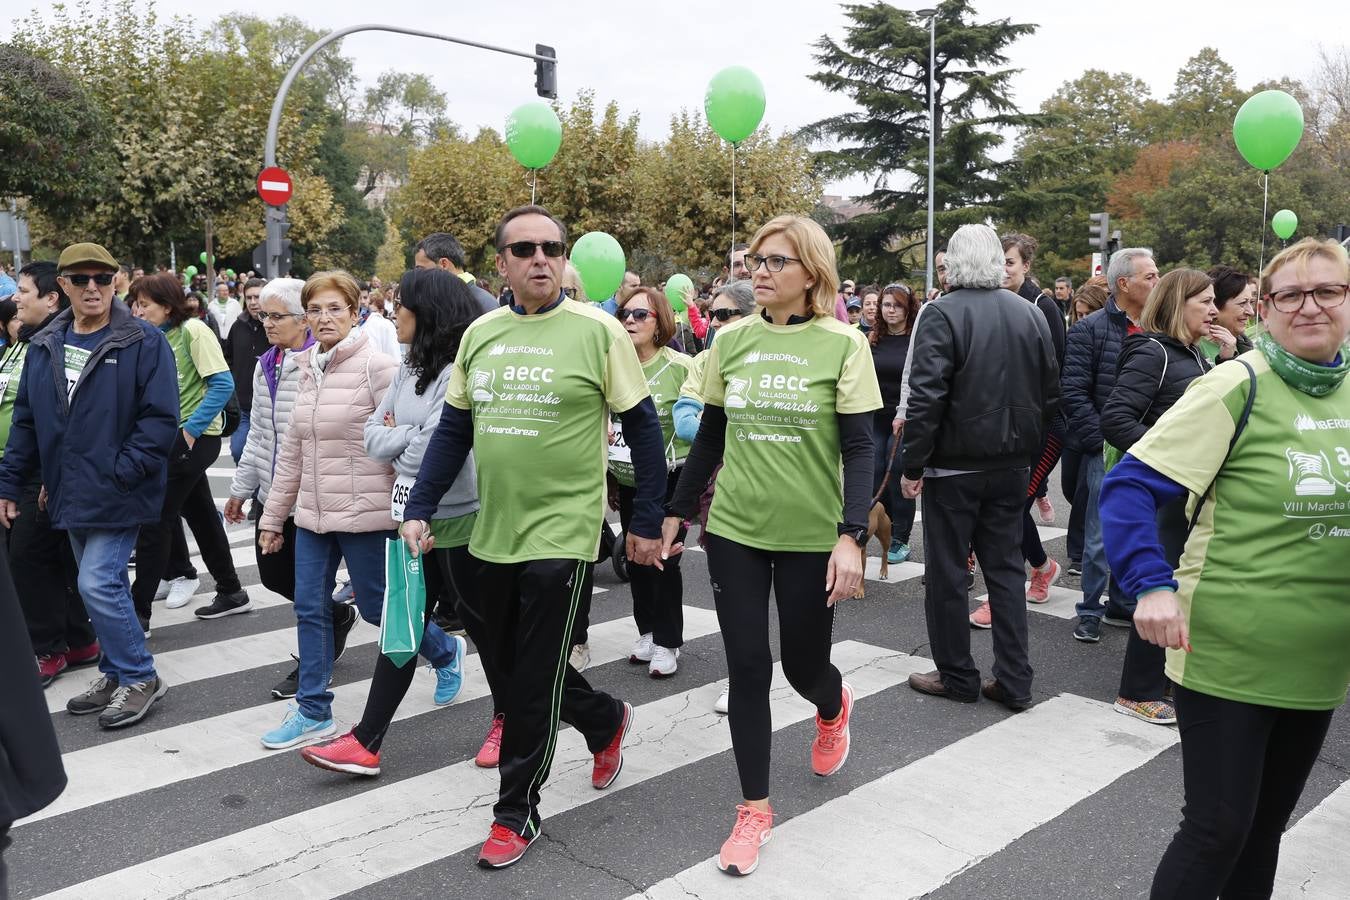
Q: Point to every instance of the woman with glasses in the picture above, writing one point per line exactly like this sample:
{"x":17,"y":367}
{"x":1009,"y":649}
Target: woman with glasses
{"x":1235,"y":299}
{"x":658,"y":594}
{"x":339,"y":495}
{"x":789,"y":395}
{"x":276,"y":383}
{"x":889,"y":341}
{"x":1254,"y":619}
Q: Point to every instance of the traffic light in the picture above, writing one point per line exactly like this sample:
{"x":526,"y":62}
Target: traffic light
{"x":1099,"y":231}
{"x":546,"y":72}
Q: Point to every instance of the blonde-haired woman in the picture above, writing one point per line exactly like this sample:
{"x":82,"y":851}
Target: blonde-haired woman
{"x":341,"y":500}
{"x":788,"y":393}
{"x":1254,"y":618}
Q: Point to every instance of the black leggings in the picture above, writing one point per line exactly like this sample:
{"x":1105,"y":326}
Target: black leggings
{"x":1245,"y":767}
{"x":741,"y":579}
{"x":1032,"y":550}
{"x":391,"y":682}
{"x":658,"y":594}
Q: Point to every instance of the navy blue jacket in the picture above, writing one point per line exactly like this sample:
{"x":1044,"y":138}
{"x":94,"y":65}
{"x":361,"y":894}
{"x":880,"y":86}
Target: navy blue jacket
{"x":103,"y":454}
{"x":1091,"y":353}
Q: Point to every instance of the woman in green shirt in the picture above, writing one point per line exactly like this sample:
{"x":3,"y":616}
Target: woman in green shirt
{"x":1255,"y":618}
{"x":658,"y":594}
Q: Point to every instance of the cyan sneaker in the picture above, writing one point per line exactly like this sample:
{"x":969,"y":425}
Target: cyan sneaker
{"x":450,"y":678}
{"x":897,"y":553}
{"x":297,"y":728}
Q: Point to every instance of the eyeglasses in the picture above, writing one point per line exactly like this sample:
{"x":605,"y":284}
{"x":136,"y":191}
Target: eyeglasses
{"x":775,"y":263}
{"x":102,"y":279}
{"x":331,"y":312}
{"x":526,"y":249}
{"x":1326,"y":296}
{"x":725,"y":315}
{"x":281,"y":317}
{"x":637,"y":315}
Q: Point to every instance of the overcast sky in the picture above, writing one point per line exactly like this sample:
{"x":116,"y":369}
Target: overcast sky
{"x":656,"y":57}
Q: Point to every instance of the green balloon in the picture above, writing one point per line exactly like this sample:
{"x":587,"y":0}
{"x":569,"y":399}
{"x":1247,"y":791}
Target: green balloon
{"x":533,"y":134}
{"x":678,"y":288}
{"x":1267,"y":128}
{"x":1284,"y":223}
{"x":202,"y":256}
{"x":190,"y":271}
{"x":734,"y":103}
{"x":599,"y":262}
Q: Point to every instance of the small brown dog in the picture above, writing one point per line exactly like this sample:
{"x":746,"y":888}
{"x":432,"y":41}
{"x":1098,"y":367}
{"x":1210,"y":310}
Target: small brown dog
{"x":878,"y":526}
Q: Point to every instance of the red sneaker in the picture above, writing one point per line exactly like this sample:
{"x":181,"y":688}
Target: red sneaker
{"x":740,"y":852}
{"x":83,"y":656}
{"x":609,"y":761}
{"x":50,"y":666}
{"x":982,"y":617}
{"x":830,"y":748}
{"x":503,"y":847}
{"x":491,"y":752}
{"x":1041,"y":579}
{"x":345,"y":754}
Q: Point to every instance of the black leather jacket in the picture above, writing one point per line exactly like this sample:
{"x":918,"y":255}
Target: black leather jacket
{"x":984,"y":384}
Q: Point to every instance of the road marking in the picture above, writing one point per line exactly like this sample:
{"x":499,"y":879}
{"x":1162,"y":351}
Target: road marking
{"x":1062,"y":604}
{"x":928,"y":822}
{"x":334,"y":849}
{"x":146,"y":760}
{"x":1313,"y":864}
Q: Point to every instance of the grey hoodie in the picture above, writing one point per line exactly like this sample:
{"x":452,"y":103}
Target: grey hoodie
{"x":405,"y":443}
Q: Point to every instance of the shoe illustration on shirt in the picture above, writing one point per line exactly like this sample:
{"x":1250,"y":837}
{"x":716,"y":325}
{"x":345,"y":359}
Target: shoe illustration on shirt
{"x":482,"y":386}
{"x":735,"y":396}
{"x":1311,"y":473}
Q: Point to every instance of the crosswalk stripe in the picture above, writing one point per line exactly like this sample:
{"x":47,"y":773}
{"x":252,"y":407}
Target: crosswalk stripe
{"x":1313,"y":864}
{"x":361,"y":840}
{"x":163,"y":617}
{"x":926,"y":823}
{"x":1062,"y":604}
{"x":150,"y":759}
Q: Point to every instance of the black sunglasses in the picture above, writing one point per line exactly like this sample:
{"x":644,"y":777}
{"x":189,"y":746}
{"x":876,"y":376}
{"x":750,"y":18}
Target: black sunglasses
{"x":102,"y":279}
{"x":638,"y":315}
{"x":725,"y":315}
{"x":526,"y":249}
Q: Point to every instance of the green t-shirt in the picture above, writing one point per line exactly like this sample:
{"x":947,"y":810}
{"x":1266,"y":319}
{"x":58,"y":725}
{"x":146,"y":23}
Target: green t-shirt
{"x":196,"y":351}
{"x":666,"y":372}
{"x":540,"y":387}
{"x":782,"y":387}
{"x":1262,"y":581}
{"x":453,"y":532}
{"x":11,"y":370}
{"x":693,"y":383}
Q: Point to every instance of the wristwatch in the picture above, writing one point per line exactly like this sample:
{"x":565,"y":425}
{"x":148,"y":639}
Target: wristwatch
{"x":859,"y":535}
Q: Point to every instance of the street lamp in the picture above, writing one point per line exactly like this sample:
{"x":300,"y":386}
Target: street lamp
{"x":931,"y":16}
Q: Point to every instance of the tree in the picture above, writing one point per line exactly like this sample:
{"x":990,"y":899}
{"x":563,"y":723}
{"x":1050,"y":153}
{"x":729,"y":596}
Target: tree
{"x":883,"y":65}
{"x":1203,"y":101}
{"x":589,"y":184}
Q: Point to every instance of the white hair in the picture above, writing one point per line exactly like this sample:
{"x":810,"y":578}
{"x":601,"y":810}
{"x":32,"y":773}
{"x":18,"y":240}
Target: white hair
{"x":1122,"y":265}
{"x":287,"y":290}
{"x":975,"y":258}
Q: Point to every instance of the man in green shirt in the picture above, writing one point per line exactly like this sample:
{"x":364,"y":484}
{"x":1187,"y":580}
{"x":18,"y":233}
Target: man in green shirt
{"x":530,"y":392}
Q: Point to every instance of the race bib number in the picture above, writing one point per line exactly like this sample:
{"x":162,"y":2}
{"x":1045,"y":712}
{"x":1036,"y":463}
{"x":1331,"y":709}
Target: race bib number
{"x":620,"y":456}
{"x":403,"y":486}
{"x":4,"y":383}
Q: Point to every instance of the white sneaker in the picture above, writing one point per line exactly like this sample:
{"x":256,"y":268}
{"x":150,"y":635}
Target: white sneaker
{"x":181,"y":591}
{"x":163,"y":590}
{"x":723,"y":704}
{"x":663,"y":662}
{"x":581,"y":657}
{"x":344,"y":593}
{"x":642,"y":649}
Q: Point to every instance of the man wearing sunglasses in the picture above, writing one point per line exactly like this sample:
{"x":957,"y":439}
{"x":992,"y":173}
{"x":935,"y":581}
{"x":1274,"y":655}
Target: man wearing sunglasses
{"x":529,"y":393}
{"x":97,"y":413}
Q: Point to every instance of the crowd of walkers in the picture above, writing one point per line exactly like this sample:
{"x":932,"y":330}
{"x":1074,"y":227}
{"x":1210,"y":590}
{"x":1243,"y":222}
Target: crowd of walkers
{"x":786,"y":417}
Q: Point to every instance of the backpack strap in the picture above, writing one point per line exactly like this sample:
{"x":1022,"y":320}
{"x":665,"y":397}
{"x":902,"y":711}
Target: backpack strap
{"x":1237,"y":433}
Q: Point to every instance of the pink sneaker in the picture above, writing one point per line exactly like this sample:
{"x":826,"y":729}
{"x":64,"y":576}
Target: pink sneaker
{"x":1046,"y":509}
{"x":740,"y":853}
{"x":982,"y":617}
{"x":491,"y":751}
{"x":1041,"y":579}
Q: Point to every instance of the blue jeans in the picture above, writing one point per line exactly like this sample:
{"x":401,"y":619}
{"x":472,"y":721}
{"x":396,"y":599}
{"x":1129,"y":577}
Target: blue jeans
{"x":898,"y":508}
{"x":1097,"y":578}
{"x":317,"y":557}
{"x":238,"y":438}
{"x":102,"y":555}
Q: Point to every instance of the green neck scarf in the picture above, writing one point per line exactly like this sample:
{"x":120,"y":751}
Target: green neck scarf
{"x":1310,"y":378}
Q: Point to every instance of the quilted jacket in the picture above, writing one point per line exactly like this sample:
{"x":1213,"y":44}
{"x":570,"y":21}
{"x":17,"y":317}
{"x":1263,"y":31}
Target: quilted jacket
{"x":269,"y":418}
{"x":322,"y":470}
{"x":1091,"y":356}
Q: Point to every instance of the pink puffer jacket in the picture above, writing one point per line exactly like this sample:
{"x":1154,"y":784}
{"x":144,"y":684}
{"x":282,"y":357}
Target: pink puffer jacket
{"x":323,"y":470}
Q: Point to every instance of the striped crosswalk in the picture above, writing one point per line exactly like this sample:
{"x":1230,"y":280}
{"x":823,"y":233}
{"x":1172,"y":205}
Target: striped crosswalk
{"x":933,"y":798}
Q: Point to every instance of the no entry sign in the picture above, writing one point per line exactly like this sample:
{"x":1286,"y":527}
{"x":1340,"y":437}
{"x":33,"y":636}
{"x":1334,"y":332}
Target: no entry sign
{"x":274,"y":186}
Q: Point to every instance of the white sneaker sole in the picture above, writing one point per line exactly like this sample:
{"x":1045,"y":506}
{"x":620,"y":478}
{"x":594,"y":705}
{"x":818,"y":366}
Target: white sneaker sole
{"x":722,"y":705}
{"x":733,"y":870}
{"x":344,"y":768}
{"x":232,"y":611}
{"x":177,"y":602}
{"x":308,"y":737}
{"x":1126,"y":711}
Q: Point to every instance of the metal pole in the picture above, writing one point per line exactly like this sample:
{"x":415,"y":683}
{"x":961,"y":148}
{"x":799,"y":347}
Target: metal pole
{"x":932,"y":127}
{"x":18,"y":237}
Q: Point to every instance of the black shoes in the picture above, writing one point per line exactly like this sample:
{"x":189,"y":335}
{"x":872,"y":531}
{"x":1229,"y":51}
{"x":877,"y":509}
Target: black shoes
{"x":344,"y":618}
{"x":1089,"y":630}
{"x":225,"y":605}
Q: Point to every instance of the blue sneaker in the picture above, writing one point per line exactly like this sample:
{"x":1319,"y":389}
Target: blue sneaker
{"x":297,"y":728}
{"x":898,"y":553}
{"x":450,"y":678}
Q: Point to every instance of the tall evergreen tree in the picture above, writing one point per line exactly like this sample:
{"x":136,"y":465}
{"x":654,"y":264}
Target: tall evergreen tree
{"x":883,"y":65}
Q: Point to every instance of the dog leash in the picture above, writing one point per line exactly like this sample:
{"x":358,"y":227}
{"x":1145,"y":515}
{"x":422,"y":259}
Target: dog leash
{"x":890,"y":461}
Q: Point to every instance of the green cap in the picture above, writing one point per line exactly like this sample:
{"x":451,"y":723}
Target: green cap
{"x":85,"y":254}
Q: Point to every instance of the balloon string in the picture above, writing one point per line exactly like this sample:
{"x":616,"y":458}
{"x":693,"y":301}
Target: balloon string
{"x":1265,"y":203}
{"x":534,"y":181}
{"x":733,"y":201}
